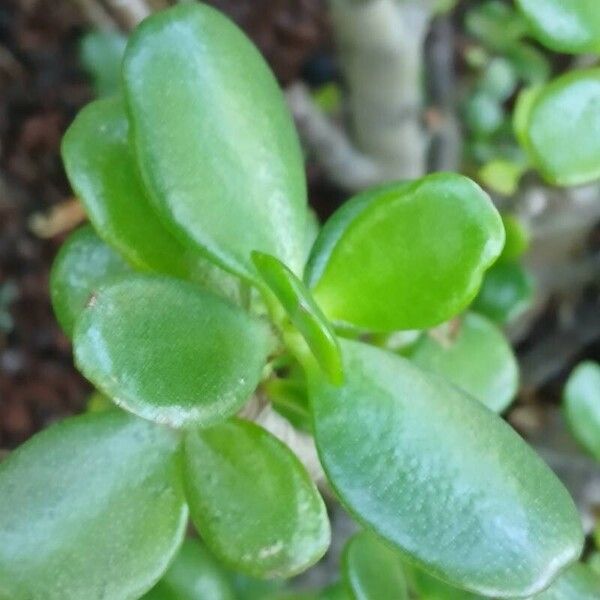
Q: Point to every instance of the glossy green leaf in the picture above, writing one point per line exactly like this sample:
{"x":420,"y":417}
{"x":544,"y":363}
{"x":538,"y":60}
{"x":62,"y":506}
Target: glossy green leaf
{"x":194,"y":575}
{"x":571,"y":26}
{"x":215,"y":142}
{"x":582,"y":406}
{"x":507,"y":291}
{"x":579,"y":582}
{"x":478,"y":359}
{"x":559,"y":126}
{"x":83,"y":263}
{"x":102,"y":171}
{"x":169,"y":351}
{"x":91,"y":508}
{"x":372,"y":570}
{"x":438,"y":475}
{"x":303,"y":312}
{"x":101,"y":53}
{"x":405,"y":255}
{"x":252,"y":501}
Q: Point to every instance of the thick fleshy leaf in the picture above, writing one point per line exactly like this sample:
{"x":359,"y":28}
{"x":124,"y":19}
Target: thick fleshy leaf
{"x":441,"y":477}
{"x":303,"y":313}
{"x":477,"y":358}
{"x":169,"y":351}
{"x":559,"y":127}
{"x":215,"y":142}
{"x":194,"y":575}
{"x":252,"y":501}
{"x":91,"y":508}
{"x":102,"y":171}
{"x":83,"y":263}
{"x":507,"y":291}
{"x":101,"y":53}
{"x":579,"y":582}
{"x":372,"y":570}
{"x":582,"y":406}
{"x":407,"y":255}
{"x":571,"y":26}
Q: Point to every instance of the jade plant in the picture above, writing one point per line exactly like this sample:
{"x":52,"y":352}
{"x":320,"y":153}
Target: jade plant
{"x":203,"y":285}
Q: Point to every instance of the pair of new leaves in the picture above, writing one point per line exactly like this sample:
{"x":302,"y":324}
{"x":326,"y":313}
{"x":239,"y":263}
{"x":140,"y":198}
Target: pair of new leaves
{"x":220,"y":201}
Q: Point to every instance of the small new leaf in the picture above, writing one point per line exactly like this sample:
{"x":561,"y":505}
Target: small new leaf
{"x":303,"y":313}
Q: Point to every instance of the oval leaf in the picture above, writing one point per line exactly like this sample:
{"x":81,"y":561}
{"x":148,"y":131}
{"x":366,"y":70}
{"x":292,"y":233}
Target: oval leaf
{"x":406,"y":256}
{"x":582,"y":406}
{"x":83,"y":263}
{"x":478,"y":359}
{"x":559,"y":126}
{"x":169,"y":351}
{"x":215,"y":142}
{"x":90,"y":508}
{"x":571,"y":26}
{"x":438,"y":475}
{"x":372,"y":570}
{"x":303,"y":313}
{"x":102,"y":171}
{"x":252,"y":501}
{"x":195,"y":575}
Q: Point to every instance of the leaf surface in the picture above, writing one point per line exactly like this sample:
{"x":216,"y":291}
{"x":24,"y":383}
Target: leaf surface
{"x":372,"y":570}
{"x":571,"y":26}
{"x":169,"y":351}
{"x":407,"y":255}
{"x":90,"y":508}
{"x":215,"y":143}
{"x":478,"y":359}
{"x":441,"y":477}
{"x":560,"y":128}
{"x":252,"y":501}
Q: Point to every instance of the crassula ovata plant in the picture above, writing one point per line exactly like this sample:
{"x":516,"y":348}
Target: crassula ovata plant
{"x":202,"y":285}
